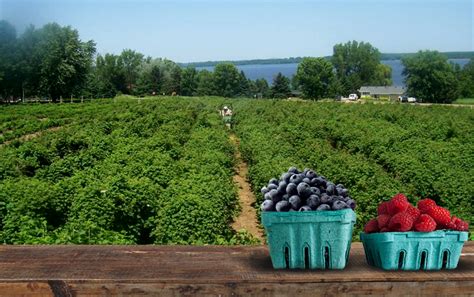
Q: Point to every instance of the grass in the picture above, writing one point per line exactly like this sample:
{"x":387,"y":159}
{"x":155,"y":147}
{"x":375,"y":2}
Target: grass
{"x":464,"y":101}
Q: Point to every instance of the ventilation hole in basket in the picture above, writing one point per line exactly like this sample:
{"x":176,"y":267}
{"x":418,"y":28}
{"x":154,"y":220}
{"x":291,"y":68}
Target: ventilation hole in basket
{"x":401,"y":257}
{"x":445,"y":259}
{"x":423,"y":260}
{"x":326,"y":257}
{"x":306,"y":257}
{"x":287,"y":257}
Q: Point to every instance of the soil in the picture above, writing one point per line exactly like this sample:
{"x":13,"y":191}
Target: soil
{"x":31,"y":136}
{"x":247,"y":218}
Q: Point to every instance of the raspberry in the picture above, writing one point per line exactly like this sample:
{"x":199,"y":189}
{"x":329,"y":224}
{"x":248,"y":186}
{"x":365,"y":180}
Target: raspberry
{"x":440,"y":215}
{"x":413,"y":212}
{"x":383,"y":220}
{"x":459,"y":225}
{"x":397,"y":204}
{"x":385,"y":229}
{"x":425,"y":223}
{"x":382,"y":209}
{"x":402,"y":221}
{"x":425,"y":204}
{"x":371,"y":226}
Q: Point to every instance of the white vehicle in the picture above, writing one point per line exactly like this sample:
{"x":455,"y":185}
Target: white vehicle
{"x":353,"y":97}
{"x":411,"y":99}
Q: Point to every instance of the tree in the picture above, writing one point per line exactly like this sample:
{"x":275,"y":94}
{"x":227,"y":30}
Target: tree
{"x":244,"y":85}
{"x":358,"y":64}
{"x":108,"y":76}
{"x":226,"y":80}
{"x":466,"y":80}
{"x":315,"y":77}
{"x":430,"y":77}
{"x":262,"y":88}
{"x":189,"y":81}
{"x":281,"y":86}
{"x":205,"y":83}
{"x":62,"y":60}
{"x":131,"y":61}
{"x":8,"y":59}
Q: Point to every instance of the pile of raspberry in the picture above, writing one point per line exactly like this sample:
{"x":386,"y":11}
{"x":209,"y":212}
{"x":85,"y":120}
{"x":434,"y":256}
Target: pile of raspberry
{"x":398,"y":215}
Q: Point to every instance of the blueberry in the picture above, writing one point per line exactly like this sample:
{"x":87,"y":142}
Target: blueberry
{"x":305,"y":208}
{"x":351,"y":203}
{"x":304,"y":190}
{"x":340,"y":186}
{"x":306,"y":170}
{"x":295,"y":179}
{"x":310,"y":174}
{"x":286,"y":177}
{"x":320,"y":182}
{"x":273,"y":181}
{"x":295,"y":202}
{"x":313,"y":201}
{"x":282,"y":188}
{"x":330,"y":189}
{"x":267,"y":205}
{"x":315,"y":191}
{"x":306,"y":180}
{"x":291,"y":189}
{"x":293,"y":170}
{"x":272,"y":187}
{"x":283,"y":206}
{"x":267,"y":196}
{"x":343,"y":192}
{"x":325,"y":198}
{"x":275,"y":196}
{"x":337,"y":205}
{"x":285,"y":197}
{"x":264,"y":190}
{"x":324,"y":207}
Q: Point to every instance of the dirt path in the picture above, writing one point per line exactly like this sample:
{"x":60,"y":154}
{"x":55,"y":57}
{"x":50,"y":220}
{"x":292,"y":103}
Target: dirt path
{"x":31,"y":136}
{"x":247,"y":218}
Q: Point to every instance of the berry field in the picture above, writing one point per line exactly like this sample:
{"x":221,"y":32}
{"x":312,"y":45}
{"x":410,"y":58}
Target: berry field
{"x":160,"y":170}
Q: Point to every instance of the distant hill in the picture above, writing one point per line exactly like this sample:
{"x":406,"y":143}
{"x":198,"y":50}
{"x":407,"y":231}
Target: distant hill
{"x":291,"y":60}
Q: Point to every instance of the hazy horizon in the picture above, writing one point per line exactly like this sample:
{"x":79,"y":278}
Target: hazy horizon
{"x":196,"y":31}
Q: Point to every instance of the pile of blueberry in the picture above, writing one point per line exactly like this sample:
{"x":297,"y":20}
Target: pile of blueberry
{"x":304,"y":191}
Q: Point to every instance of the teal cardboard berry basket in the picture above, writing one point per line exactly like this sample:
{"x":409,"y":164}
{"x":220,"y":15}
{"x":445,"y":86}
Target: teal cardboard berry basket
{"x":414,"y":250}
{"x":309,"y":239}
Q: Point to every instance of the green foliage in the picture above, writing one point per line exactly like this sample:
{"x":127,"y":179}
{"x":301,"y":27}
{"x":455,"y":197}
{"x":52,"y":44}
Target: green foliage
{"x":430,"y":77}
{"x":466,"y":80}
{"x":358,"y":64}
{"x":316,"y":78}
{"x":280,"y":87}
{"x":226,"y":80}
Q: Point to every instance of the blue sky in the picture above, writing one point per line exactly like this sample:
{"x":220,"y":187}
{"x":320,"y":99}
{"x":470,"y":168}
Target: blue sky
{"x":187,"y":30}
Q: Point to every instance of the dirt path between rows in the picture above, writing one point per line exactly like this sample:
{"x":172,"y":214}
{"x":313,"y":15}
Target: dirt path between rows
{"x":247,"y":218}
{"x":31,"y":136}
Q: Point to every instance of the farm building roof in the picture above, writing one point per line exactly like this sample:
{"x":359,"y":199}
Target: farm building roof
{"x":383,"y":90}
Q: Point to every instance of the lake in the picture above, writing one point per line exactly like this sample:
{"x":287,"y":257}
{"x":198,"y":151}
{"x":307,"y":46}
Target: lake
{"x":268,"y":71}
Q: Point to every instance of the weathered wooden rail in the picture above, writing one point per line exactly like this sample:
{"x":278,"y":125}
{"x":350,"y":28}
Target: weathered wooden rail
{"x":75,"y":270}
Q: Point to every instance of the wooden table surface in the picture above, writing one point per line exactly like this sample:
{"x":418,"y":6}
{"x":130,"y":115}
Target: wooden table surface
{"x":85,"y":270}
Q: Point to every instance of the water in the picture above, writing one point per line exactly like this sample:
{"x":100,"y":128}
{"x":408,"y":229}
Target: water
{"x":268,"y":71}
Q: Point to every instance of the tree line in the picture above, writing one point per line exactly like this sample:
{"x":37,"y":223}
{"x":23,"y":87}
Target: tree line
{"x":52,"y":62}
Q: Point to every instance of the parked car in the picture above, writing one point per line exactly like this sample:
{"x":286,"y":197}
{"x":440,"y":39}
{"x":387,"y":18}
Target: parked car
{"x":403,"y":98}
{"x":353,"y":97}
{"x":411,"y":99}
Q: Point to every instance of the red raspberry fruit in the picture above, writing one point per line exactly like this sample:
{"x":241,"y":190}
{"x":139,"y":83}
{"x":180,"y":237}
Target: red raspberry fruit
{"x":385,"y":230}
{"x":425,"y":204}
{"x":413,"y":212}
{"x":371,"y":226}
{"x":382,"y":209}
{"x":425,"y":223}
{"x":440,"y":214}
{"x":459,"y":225}
{"x":397,"y":204}
{"x":383,"y":220}
{"x":402,"y":222}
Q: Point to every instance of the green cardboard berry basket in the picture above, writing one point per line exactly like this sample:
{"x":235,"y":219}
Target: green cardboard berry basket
{"x":414,"y":250}
{"x":309,"y":239}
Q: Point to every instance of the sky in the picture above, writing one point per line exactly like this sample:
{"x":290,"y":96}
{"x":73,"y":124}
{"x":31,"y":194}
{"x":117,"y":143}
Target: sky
{"x":203,"y":30}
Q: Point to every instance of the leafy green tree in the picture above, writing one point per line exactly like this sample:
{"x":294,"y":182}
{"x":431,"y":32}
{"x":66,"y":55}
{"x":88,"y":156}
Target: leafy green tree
{"x":108,"y":76}
{"x":205,"y":83}
{"x":8,"y":59}
{"x":131,"y":61}
{"x":189,"y":81}
{"x":227,"y":80}
{"x":262,"y":88}
{"x":315,"y":77}
{"x":358,"y":64}
{"x":281,"y":86}
{"x":244,"y":85}
{"x":430,"y":77}
{"x":466,"y":80}
{"x":63,"y":60}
